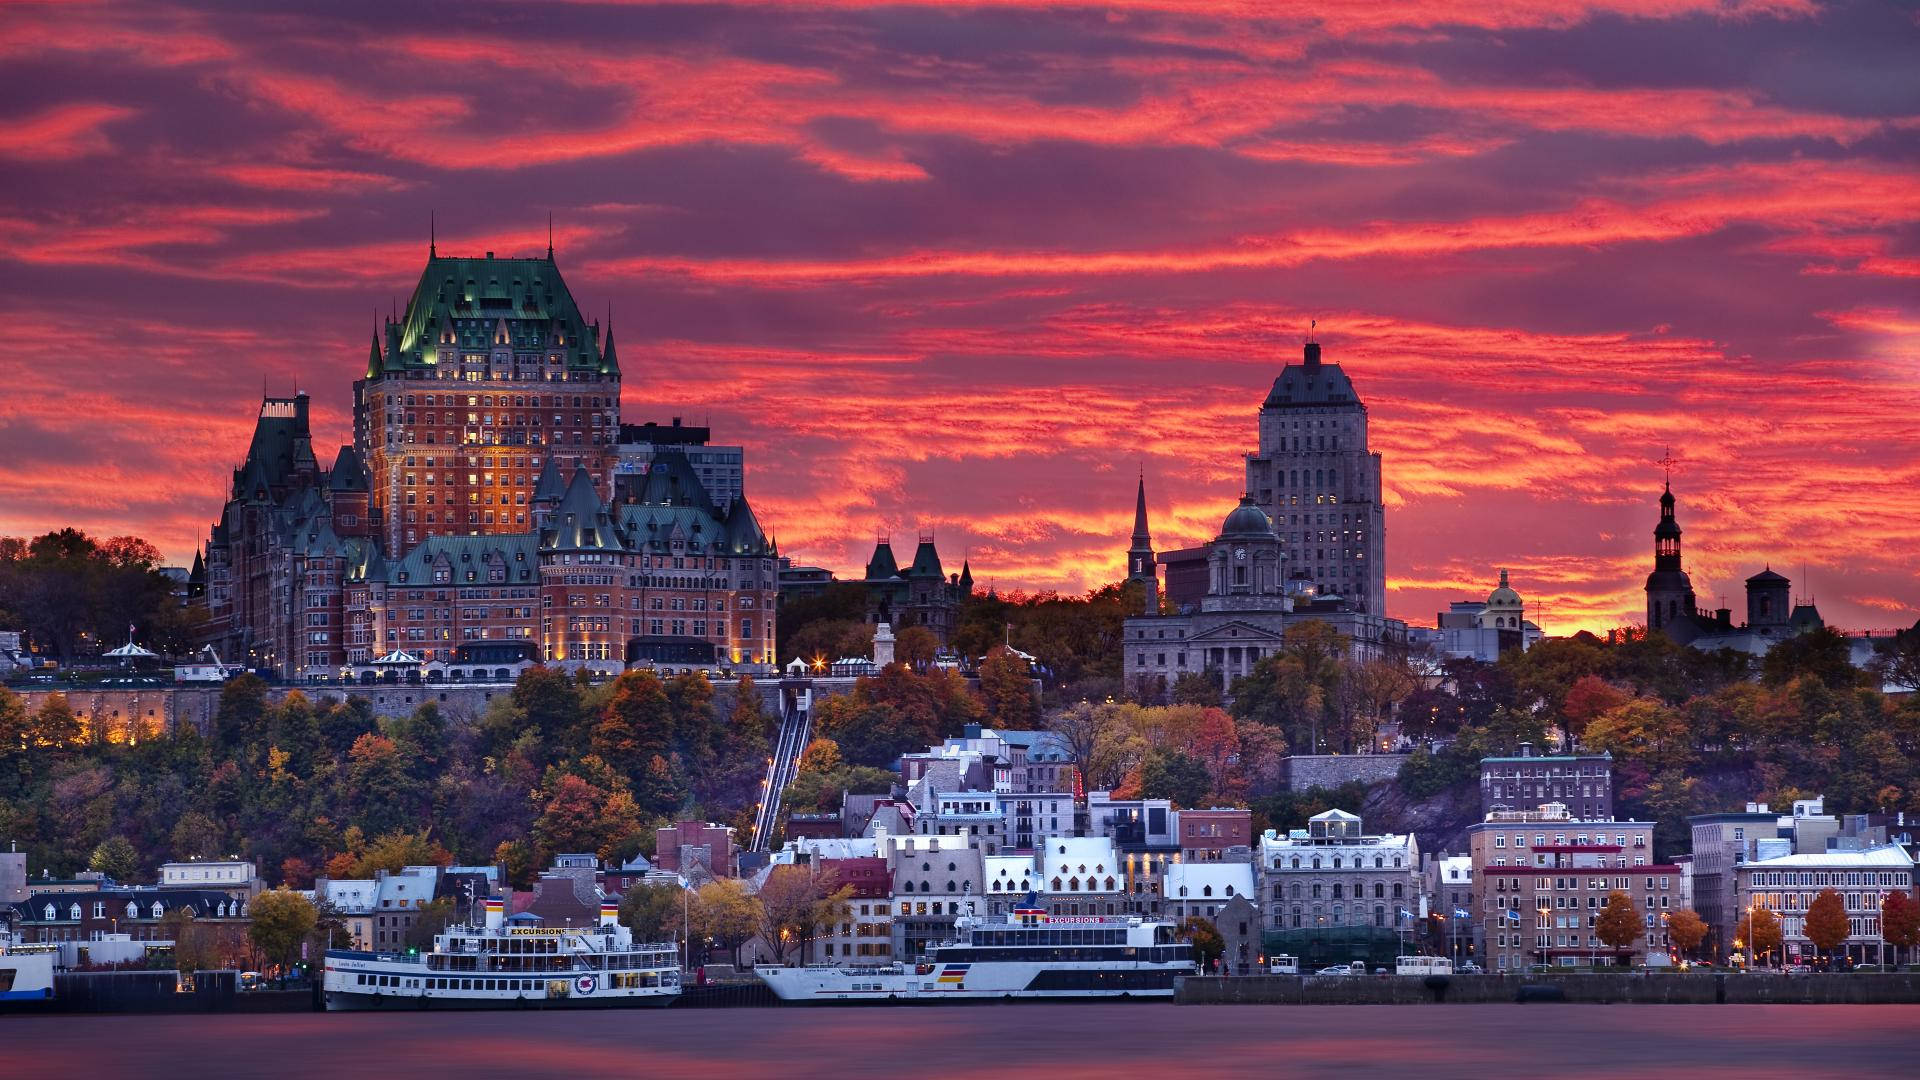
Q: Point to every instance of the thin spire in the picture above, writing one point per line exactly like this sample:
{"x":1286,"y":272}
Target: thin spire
{"x":1667,"y":462}
{"x":1140,"y":533}
{"x":433,"y":235}
{"x":549,"y":236}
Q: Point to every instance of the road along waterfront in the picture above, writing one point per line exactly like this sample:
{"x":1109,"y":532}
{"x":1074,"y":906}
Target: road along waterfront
{"x":1103,"y":1040}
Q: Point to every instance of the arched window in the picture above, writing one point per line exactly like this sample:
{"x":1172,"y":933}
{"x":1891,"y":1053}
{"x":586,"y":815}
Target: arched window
{"x":1379,"y":889}
{"x":950,"y":886}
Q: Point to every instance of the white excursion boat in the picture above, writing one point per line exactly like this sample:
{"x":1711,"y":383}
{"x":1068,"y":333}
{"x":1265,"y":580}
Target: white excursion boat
{"x":507,"y":964}
{"x":1026,"y":955}
{"x":26,"y":971}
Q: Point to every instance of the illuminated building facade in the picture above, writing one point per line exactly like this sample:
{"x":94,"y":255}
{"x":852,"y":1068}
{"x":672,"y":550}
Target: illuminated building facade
{"x":491,"y":372}
{"x":477,"y":521}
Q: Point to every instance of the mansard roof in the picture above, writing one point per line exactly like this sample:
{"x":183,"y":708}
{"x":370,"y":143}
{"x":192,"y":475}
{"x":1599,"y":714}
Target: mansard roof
{"x":463,"y":555}
{"x":471,"y":301}
{"x":670,"y":480}
{"x":926,"y":561}
{"x":281,"y":449}
{"x":882,"y":566}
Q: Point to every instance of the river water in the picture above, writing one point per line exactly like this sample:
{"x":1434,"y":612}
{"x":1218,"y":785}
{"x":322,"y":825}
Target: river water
{"x":992,"y":1042}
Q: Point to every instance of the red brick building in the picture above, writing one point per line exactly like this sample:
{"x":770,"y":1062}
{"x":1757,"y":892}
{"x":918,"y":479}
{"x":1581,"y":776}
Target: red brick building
{"x":474,"y":527}
{"x":1205,"y":835}
{"x":687,"y":846}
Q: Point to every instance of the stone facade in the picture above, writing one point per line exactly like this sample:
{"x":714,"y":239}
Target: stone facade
{"x":1332,"y":873}
{"x":1320,"y":484}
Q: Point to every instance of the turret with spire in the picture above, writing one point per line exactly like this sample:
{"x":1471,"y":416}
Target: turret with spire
{"x":1140,"y":559}
{"x":1669,"y":589}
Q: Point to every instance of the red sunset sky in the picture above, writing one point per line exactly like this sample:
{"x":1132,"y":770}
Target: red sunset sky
{"x":963,"y":267}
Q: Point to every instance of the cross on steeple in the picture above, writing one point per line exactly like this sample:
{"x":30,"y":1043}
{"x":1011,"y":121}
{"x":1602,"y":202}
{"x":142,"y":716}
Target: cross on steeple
{"x":1668,"y":461}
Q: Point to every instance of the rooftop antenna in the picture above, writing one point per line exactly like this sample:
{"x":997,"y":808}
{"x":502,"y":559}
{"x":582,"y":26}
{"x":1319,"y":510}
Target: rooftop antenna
{"x":433,"y":235}
{"x":549,"y":236}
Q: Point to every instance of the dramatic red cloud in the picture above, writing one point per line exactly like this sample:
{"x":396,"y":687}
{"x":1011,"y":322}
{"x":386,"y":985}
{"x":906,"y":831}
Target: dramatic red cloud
{"x":964,"y":268}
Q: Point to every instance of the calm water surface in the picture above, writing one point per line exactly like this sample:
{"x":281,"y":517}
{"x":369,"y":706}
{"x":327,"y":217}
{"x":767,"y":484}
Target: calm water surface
{"x":994,"y":1042}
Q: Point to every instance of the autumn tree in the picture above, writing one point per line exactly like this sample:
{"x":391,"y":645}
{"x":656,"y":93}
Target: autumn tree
{"x":1643,"y":729}
{"x":1826,"y":923}
{"x":1759,"y":931}
{"x":915,"y":646}
{"x":1686,"y":929}
{"x":1900,"y":920}
{"x":654,"y":912}
{"x":54,"y":724}
{"x":1006,"y":685}
{"x":725,"y":914}
{"x":1204,"y":938}
{"x":1588,"y":698}
{"x":637,"y":724}
{"x":281,"y":920}
{"x":790,"y":907}
{"x":1618,"y":926}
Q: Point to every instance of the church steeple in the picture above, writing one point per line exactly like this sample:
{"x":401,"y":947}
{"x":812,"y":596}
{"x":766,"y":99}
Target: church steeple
{"x":1140,"y":560}
{"x":1669,"y":589}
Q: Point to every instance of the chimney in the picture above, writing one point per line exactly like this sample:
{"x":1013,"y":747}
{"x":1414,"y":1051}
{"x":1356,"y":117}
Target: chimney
{"x":609,"y":913}
{"x":496,"y":912}
{"x":1526,"y":749}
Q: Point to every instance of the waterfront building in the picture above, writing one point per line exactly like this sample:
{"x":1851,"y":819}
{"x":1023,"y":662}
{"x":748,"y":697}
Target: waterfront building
{"x":932,"y":888}
{"x":1721,"y":842}
{"x":1583,"y":782}
{"x":1203,"y":889}
{"x":135,"y":912}
{"x":1333,"y":873}
{"x":1541,"y":876}
{"x":1449,"y":888}
{"x":863,"y":932}
{"x":354,"y":901}
{"x":1786,"y":884}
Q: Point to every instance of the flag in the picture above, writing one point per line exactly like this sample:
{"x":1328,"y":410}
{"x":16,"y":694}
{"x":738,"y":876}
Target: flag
{"x":1405,"y":914}
{"x":1462,"y":913}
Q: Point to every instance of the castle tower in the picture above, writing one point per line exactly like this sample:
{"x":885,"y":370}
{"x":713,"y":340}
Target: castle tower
{"x":1669,"y":590}
{"x":1140,"y":561}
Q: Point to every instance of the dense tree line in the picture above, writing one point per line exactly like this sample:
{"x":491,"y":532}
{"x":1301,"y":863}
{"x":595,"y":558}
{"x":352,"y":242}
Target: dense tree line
{"x":73,"y":596}
{"x":1690,"y":732}
{"x":305,"y":787}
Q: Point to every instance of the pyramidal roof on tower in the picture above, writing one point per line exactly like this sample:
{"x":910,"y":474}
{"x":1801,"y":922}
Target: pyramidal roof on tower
{"x":581,"y":521}
{"x":550,"y":487}
{"x":478,"y":304}
{"x":349,"y":473}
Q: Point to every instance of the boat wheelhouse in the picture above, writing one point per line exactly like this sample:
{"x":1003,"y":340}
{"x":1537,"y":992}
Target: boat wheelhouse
{"x":510,"y":963}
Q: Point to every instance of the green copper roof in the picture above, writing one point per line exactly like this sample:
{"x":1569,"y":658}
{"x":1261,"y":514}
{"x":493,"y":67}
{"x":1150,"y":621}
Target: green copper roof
{"x":479,"y":304}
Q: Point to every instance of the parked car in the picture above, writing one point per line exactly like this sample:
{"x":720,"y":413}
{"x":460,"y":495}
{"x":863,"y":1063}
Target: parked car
{"x":1467,"y":967}
{"x":1336,"y":969}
